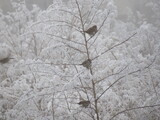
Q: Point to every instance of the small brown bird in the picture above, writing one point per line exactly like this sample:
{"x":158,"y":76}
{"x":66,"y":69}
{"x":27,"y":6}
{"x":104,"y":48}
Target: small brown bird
{"x":92,"y":30}
{"x":5,"y":60}
{"x":87,"y":63}
{"x":84,"y":103}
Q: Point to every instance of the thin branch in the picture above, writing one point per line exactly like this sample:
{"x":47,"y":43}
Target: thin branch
{"x":100,"y":27}
{"x":86,"y":45}
{"x":123,"y":77}
{"x":39,"y":32}
{"x":73,"y":47}
{"x":94,"y":13}
{"x":53,"y":111}
{"x":87,"y":16}
{"x":115,"y":46}
{"x":11,"y":42}
{"x":52,"y":20}
{"x":112,"y":74}
{"x":130,"y":109}
{"x":91,"y":44}
{"x":67,"y":24}
{"x":70,"y":13}
{"x":104,"y":20}
{"x":68,"y":106}
{"x":85,"y":90}
{"x":92,"y":17}
{"x":52,"y":64}
{"x":35,"y":80}
{"x":154,"y":87}
{"x":71,"y":26}
{"x":80,"y":14}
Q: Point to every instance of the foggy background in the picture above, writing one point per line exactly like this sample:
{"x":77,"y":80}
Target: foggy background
{"x":46,"y":68}
{"x":122,"y":5}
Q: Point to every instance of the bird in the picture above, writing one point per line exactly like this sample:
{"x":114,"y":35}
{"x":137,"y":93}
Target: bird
{"x":87,"y":63}
{"x":92,"y":30}
{"x":5,"y":54}
{"x":84,"y":103}
{"x":5,"y":60}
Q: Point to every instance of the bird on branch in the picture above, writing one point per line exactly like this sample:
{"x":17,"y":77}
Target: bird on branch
{"x":5,"y":54}
{"x":92,"y":30}
{"x":5,"y":60}
{"x":87,"y":63}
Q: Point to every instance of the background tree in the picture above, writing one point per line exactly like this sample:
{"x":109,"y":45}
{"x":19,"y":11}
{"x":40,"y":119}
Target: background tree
{"x":60,"y":71}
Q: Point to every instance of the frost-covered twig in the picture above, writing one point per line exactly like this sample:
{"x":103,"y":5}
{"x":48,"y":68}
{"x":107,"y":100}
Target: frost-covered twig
{"x":84,"y":88}
{"x":88,"y":56}
{"x":73,"y":48}
{"x":83,"y":29}
{"x":99,"y":28}
{"x":136,"y":108}
{"x":154,"y":87}
{"x":115,"y":46}
{"x":112,"y":74}
{"x":123,"y":77}
{"x":70,"y":13}
{"x":52,"y":35}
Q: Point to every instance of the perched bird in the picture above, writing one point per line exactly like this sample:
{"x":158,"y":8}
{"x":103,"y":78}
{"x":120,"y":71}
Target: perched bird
{"x":87,"y":63}
{"x":5,"y":60}
{"x":1,"y":96}
{"x":92,"y":30}
{"x":5,"y":53}
{"x":84,"y":103}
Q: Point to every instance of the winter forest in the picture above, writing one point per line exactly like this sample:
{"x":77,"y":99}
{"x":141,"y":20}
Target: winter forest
{"x":76,"y":60}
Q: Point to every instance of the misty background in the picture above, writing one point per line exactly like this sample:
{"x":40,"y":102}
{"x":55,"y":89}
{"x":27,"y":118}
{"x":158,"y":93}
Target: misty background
{"x":124,"y":7}
{"x":79,"y":59}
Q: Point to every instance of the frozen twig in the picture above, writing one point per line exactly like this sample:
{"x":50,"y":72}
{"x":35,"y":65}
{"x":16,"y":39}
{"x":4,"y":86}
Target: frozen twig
{"x":123,"y":77}
{"x":115,"y":46}
{"x":136,"y":108}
